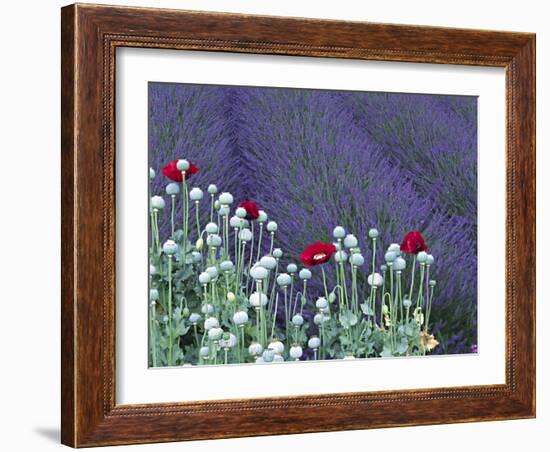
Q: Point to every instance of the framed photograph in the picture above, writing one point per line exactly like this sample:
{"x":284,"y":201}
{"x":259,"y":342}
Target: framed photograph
{"x":280,"y":225}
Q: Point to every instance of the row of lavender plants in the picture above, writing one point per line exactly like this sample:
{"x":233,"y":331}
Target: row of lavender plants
{"x":313,"y":159}
{"x":220,"y":300}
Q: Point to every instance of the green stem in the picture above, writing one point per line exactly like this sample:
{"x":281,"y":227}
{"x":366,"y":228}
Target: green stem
{"x":197,"y":219}
{"x":259,"y":242}
{"x":170,"y":339}
{"x":172,"y":211}
{"x":412,"y":277}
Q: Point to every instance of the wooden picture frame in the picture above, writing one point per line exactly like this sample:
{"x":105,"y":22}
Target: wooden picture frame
{"x":90,"y":35}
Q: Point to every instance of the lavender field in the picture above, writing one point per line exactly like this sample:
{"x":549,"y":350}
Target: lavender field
{"x":315,"y":159}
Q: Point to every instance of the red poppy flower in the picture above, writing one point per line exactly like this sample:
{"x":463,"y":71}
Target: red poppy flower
{"x":171,"y":171}
{"x":317,"y":253}
{"x":252,"y":211}
{"x":413,"y":243}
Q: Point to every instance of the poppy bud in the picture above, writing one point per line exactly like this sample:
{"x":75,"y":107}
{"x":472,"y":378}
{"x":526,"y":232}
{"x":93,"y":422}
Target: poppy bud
{"x":182,"y":165}
{"x":170,"y":247}
{"x":157,"y":203}
{"x":339,"y":232}
{"x":172,"y":189}
{"x":195,"y":194}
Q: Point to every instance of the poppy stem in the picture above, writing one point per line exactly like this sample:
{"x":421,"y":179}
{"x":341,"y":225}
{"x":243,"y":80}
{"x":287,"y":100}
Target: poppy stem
{"x":275,"y":315}
{"x":170,"y":345}
{"x":412,"y":278}
{"x":172,"y":211}
{"x":250,"y":258}
{"x":211,"y":208}
{"x":260,"y":242}
{"x":197,"y":219}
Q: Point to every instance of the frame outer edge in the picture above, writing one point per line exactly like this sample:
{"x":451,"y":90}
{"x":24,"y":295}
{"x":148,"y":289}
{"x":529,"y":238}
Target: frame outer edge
{"x":68,"y":217}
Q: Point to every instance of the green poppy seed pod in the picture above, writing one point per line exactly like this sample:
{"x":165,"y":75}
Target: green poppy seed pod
{"x":297,"y":320}
{"x":182,"y":165}
{"x":383,"y":268}
{"x":211,"y":322}
{"x":284,"y":280}
{"x":194,"y":318}
{"x":341,"y":256}
{"x":268,"y":262}
{"x":152,"y":269}
{"x":375,"y":280}
{"x":226,"y":198}
{"x":157,"y":203}
{"x":318,"y":318}
{"x":272,"y":226}
{"x":350,"y":241}
{"x":170,"y":247}
{"x":215,"y":333}
{"x":217,"y":205}
{"x":305,"y":274}
{"x":278,"y":358}
{"x":321,"y":303}
{"x":357,"y":259}
{"x":390,"y":256}
{"x":207,"y":309}
{"x":432,"y":283}
{"x":399,"y":264}
{"x":172,"y":189}
{"x":211,"y":228}
{"x":186,"y":312}
{"x":204,"y":352}
{"x":262,"y":216}
{"x":339,"y":232}
{"x":212,"y":189}
{"x":245,"y":235}
{"x":153,"y":295}
{"x":407,"y":303}
{"x":231,"y":297}
{"x":197,"y":257}
{"x":314,"y":342}
{"x":258,"y":272}
{"x":214,"y":240}
{"x":255,"y":349}
{"x":331,"y":297}
{"x":373,"y":233}
{"x":199,"y":243}
{"x":229,"y":340}
{"x":226,"y":266}
{"x":422,"y":257}
{"x":235,"y":222}
{"x":195,"y":194}
{"x":268,"y":356}
{"x":429,"y":259}
{"x":295,"y":351}
{"x":240,"y":212}
{"x":276,"y":347}
{"x":292,"y":268}
{"x":395,"y":248}
{"x":204,"y":278}
{"x":277,"y":253}
{"x":223,"y":210}
{"x":152,"y":173}
{"x":385,"y":309}
{"x":240,"y":318}
{"x":212,"y":271}
{"x":258,"y":299}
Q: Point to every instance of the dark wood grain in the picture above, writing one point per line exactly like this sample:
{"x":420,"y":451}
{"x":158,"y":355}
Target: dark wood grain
{"x":90,"y":36}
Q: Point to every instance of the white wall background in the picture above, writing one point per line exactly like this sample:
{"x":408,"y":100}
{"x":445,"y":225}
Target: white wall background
{"x":29,"y":321}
